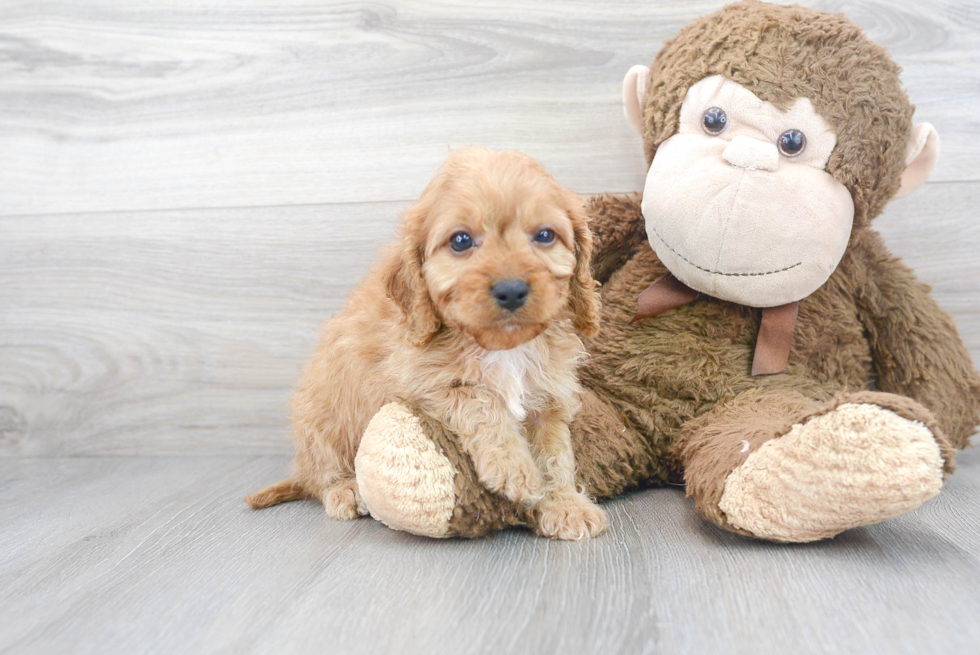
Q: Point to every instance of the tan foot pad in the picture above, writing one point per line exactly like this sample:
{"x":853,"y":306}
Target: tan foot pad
{"x":854,"y":466}
{"x":405,"y":482}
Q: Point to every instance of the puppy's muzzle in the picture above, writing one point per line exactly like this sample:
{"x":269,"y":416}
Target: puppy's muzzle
{"x":510,"y":294}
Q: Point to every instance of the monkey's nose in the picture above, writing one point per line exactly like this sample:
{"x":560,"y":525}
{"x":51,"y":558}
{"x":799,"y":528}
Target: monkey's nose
{"x":746,"y":152}
{"x":510,"y":294}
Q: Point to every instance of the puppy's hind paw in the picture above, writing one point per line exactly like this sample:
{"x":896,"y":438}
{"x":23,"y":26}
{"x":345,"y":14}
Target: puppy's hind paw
{"x":570,"y":516}
{"x":343,"y":501}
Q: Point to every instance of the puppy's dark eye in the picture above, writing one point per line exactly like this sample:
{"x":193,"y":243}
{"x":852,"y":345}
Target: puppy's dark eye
{"x":545,"y":236}
{"x":714,"y":121}
{"x":791,"y":143}
{"x":460,"y":241}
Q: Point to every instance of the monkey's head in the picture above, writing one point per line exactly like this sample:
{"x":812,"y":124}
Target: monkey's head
{"x":770,"y":132}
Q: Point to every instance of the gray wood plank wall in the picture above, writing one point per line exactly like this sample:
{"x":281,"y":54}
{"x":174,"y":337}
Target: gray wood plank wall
{"x":188,"y":190}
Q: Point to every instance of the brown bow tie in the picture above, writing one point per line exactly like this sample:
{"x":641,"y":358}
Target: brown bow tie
{"x":775,"y":331}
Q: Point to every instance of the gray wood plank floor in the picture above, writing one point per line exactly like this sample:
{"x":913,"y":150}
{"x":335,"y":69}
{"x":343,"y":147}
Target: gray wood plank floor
{"x":188,"y":189}
{"x":160,"y":555}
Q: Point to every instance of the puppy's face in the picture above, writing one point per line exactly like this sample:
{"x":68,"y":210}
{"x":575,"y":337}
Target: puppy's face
{"x":504,"y":249}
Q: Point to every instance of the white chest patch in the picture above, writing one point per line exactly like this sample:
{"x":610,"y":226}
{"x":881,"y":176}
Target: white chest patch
{"x":512,"y":373}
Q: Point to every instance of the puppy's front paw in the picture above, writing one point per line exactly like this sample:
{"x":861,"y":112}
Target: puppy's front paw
{"x":513,"y":475}
{"x":343,"y":501}
{"x":570,"y":516}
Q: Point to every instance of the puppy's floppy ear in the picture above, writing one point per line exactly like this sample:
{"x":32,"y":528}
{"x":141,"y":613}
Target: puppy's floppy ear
{"x":583,"y":300}
{"x":403,"y":281}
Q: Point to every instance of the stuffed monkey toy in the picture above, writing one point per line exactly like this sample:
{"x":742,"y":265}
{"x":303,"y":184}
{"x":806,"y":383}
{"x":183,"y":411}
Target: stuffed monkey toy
{"x":758,"y":341}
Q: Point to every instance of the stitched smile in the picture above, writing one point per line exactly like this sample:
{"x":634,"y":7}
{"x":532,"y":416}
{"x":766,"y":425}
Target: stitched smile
{"x":710,"y":272}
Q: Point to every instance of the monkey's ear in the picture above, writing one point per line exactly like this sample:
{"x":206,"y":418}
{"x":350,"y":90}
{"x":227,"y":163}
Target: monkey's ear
{"x":920,"y":158}
{"x":634,"y":88}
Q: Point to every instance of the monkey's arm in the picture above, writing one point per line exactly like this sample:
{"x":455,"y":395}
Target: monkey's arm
{"x":618,"y":231}
{"x":916,"y":348}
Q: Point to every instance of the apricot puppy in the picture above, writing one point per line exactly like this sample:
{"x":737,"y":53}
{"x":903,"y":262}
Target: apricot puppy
{"x":470,"y":314}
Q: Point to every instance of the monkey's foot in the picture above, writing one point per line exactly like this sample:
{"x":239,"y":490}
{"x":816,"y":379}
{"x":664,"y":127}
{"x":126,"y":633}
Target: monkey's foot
{"x":856,"y":465}
{"x":405,"y":482}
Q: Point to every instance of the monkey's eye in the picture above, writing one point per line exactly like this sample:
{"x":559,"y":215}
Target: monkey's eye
{"x":545,"y":236}
{"x":791,"y":143}
{"x":460,"y":242}
{"x":714,"y":121}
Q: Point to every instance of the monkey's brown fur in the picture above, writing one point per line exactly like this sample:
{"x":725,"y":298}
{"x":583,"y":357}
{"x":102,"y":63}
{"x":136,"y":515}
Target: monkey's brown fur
{"x":672,"y":398}
{"x":786,"y":52}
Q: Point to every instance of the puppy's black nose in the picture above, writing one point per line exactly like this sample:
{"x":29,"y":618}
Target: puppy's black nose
{"x":510,"y":294}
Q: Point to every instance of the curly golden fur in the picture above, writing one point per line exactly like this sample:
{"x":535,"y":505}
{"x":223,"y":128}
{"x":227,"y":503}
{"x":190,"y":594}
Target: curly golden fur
{"x":424,"y":328}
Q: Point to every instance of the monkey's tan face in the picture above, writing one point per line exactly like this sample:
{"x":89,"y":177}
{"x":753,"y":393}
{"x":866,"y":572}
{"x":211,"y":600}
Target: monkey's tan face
{"x":738,"y":204}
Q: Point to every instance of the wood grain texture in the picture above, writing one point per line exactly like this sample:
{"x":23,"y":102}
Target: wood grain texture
{"x":169,"y":332}
{"x":109,"y":106}
{"x":182,"y":331}
{"x":188,"y":189}
{"x":161,"y":555}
